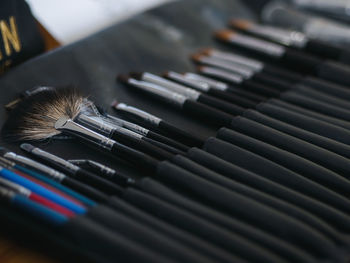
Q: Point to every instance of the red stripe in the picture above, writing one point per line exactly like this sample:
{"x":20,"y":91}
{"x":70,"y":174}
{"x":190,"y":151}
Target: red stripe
{"x":60,"y":209}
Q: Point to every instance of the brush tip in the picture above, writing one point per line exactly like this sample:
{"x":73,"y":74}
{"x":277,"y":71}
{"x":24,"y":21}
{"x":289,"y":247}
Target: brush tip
{"x":224,"y":34}
{"x":136,"y":75}
{"x":27,"y":147}
{"x":207,"y":51}
{"x":114,"y":104}
{"x":123,"y":78}
{"x":200,"y":68}
{"x":197,"y":57}
{"x":241,"y":24}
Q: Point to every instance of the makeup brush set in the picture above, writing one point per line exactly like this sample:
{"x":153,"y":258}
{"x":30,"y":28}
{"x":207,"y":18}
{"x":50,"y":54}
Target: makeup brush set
{"x":262,"y":175}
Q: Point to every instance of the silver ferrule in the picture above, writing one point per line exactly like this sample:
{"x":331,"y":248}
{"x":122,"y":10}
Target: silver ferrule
{"x":55,"y":159}
{"x":244,"y":71}
{"x":69,"y":126}
{"x":126,"y":124}
{"x":95,"y":123}
{"x":222,"y":74}
{"x":167,"y":95}
{"x":37,"y":90}
{"x":258,"y":45}
{"x":15,"y":187}
{"x":147,"y":117}
{"x":102,"y":168}
{"x":253,"y":64}
{"x":53,"y":174}
{"x":218,"y":85}
{"x":194,"y":83}
{"x":170,"y":85}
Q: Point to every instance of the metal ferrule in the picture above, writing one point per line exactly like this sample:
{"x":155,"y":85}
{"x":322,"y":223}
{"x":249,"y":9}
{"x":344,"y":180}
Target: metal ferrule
{"x":15,"y":187}
{"x":126,"y":124}
{"x":222,"y":74}
{"x":167,"y":95}
{"x":194,"y":83}
{"x":55,"y":175}
{"x":95,"y":123}
{"x":36,"y":90}
{"x":245,"y":72}
{"x":102,"y":168}
{"x":253,"y":64}
{"x":211,"y":82}
{"x":259,"y":45}
{"x":170,"y":85}
{"x":140,"y":113}
{"x":55,"y":159}
{"x":69,"y":126}
{"x":282,"y":36}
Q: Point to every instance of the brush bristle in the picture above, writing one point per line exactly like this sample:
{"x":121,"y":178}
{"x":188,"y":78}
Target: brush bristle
{"x":34,"y":118}
{"x":196,"y":57}
{"x":241,"y":24}
{"x":123,"y":78}
{"x":136,"y":75}
{"x":224,"y":34}
{"x":207,"y":51}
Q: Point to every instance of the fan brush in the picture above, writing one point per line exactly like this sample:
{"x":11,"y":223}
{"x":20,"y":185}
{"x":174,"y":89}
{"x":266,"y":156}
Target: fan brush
{"x":52,"y":112}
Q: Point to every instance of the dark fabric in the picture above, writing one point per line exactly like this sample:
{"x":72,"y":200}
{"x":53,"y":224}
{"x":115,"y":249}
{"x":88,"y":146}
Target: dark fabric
{"x":325,"y":158}
{"x":316,"y":105}
{"x":17,"y":18}
{"x":201,"y":227}
{"x":98,"y":239}
{"x":324,"y":142}
{"x":294,"y":162}
{"x":142,"y":235}
{"x":307,"y":123}
{"x":326,"y":213}
{"x":189,"y":240}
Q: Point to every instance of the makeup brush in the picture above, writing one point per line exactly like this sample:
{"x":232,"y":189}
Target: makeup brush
{"x":73,"y":169}
{"x":192,"y":108}
{"x":294,"y":39}
{"x":144,"y":132}
{"x":159,"y":124}
{"x":316,"y":83}
{"x":206,"y":85}
{"x":299,"y":61}
{"x":188,"y":92}
{"x":209,"y":58}
{"x":35,"y":197}
{"x":35,"y":209}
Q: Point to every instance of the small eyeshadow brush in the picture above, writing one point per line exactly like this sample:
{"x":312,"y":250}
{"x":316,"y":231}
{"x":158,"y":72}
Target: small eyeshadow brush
{"x":294,"y":39}
{"x":159,"y":124}
{"x":187,"y":92}
{"x":296,"y":60}
{"x":188,"y":106}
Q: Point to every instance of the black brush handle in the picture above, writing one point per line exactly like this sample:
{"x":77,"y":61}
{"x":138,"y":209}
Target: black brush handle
{"x":232,"y":98}
{"x":180,"y":135}
{"x":206,"y":113}
{"x":246,"y":94}
{"x":271,"y":81}
{"x":333,"y":71}
{"x":282,"y":73}
{"x":220,"y":104}
{"x":260,"y":89}
{"x":98,"y":182}
{"x":84,"y":189}
{"x":300,"y":62}
{"x":163,"y":146}
{"x":135,"y":157}
{"x":141,"y":145}
{"x":163,"y":139}
{"x":323,"y":49}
